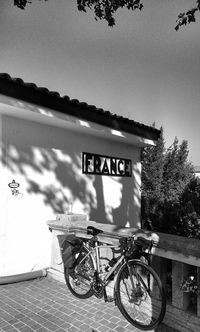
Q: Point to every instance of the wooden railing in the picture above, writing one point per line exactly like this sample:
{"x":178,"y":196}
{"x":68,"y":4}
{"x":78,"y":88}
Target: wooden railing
{"x":174,"y":258}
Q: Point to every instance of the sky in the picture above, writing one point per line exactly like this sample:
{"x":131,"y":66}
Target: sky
{"x":141,"y":68}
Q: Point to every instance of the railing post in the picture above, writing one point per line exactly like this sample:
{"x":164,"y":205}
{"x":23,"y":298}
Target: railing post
{"x":180,"y":271}
{"x":160,"y":267}
{"x":159,"y":264}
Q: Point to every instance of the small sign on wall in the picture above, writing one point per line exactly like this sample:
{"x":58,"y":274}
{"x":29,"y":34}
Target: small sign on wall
{"x":105,"y":165}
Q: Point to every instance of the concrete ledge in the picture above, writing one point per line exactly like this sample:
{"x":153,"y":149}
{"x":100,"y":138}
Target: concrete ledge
{"x":169,"y":246}
{"x":55,"y":274}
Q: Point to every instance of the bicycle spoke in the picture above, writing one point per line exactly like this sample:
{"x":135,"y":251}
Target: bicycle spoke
{"x":139,"y":297}
{"x":135,"y":307}
{"x":80,"y":279}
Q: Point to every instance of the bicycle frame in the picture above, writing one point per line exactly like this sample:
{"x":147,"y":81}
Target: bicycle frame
{"x":95,"y":253}
{"x":105,"y":277}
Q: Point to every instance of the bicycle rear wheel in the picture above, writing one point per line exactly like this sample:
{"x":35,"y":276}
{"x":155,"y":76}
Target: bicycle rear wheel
{"x":140,"y":295}
{"x":80,"y":279}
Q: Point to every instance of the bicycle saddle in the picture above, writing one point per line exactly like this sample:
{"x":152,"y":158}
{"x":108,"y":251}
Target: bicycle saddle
{"x":93,"y":231}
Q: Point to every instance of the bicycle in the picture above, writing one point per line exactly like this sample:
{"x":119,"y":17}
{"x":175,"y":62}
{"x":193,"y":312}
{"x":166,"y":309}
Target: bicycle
{"x":138,"y":291}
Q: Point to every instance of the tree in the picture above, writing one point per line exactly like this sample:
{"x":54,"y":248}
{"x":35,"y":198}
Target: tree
{"x":192,"y":194}
{"x":152,"y":174}
{"x":177,"y":174}
{"x":177,"y":171}
{"x":106,"y":9}
{"x":166,"y":173}
{"x":190,"y":212}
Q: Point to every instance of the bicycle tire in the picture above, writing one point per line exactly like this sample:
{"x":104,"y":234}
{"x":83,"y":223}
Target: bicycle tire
{"x":144,"y":308}
{"x":80,"y":279}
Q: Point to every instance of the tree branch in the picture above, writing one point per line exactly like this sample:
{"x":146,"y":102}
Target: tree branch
{"x":106,"y":9}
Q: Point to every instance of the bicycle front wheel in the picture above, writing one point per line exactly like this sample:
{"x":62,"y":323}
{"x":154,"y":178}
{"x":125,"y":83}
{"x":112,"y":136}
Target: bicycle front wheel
{"x":140,"y":295}
{"x":80,"y":279}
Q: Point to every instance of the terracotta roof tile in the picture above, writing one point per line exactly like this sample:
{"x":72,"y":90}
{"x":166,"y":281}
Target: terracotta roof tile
{"x":30,"y":92}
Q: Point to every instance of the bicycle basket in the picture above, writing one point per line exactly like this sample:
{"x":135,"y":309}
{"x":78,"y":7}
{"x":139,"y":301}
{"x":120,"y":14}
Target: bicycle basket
{"x":69,"y":247}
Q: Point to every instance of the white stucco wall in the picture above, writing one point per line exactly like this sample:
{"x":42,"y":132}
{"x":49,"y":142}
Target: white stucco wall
{"x":45,"y":159}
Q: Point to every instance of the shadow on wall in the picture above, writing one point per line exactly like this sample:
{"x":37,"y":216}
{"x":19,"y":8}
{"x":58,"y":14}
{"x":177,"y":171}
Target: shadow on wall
{"x":126,"y":213}
{"x":98,"y":213}
{"x":49,"y":159}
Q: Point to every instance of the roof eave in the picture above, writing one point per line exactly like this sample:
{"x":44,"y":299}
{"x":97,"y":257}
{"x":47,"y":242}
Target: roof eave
{"x":30,"y":93}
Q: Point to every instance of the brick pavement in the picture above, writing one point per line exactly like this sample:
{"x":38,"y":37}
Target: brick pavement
{"x":47,"y":305}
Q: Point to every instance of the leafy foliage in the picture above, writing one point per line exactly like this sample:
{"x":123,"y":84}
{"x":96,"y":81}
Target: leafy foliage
{"x":152,"y":174}
{"x":22,"y":3}
{"x":177,"y":171}
{"x":190,"y":202}
{"x":187,"y":17}
{"x":106,"y":9}
{"x":170,"y":191}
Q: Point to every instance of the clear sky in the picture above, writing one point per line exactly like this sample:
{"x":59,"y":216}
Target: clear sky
{"x":142,"y":68}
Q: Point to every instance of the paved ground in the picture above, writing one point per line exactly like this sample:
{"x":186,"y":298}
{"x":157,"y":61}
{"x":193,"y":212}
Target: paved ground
{"x":46,"y":305}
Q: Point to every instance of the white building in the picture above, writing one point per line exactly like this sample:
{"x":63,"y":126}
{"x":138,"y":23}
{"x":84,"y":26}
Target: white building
{"x":44,"y":139}
{"x":197,"y":171}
